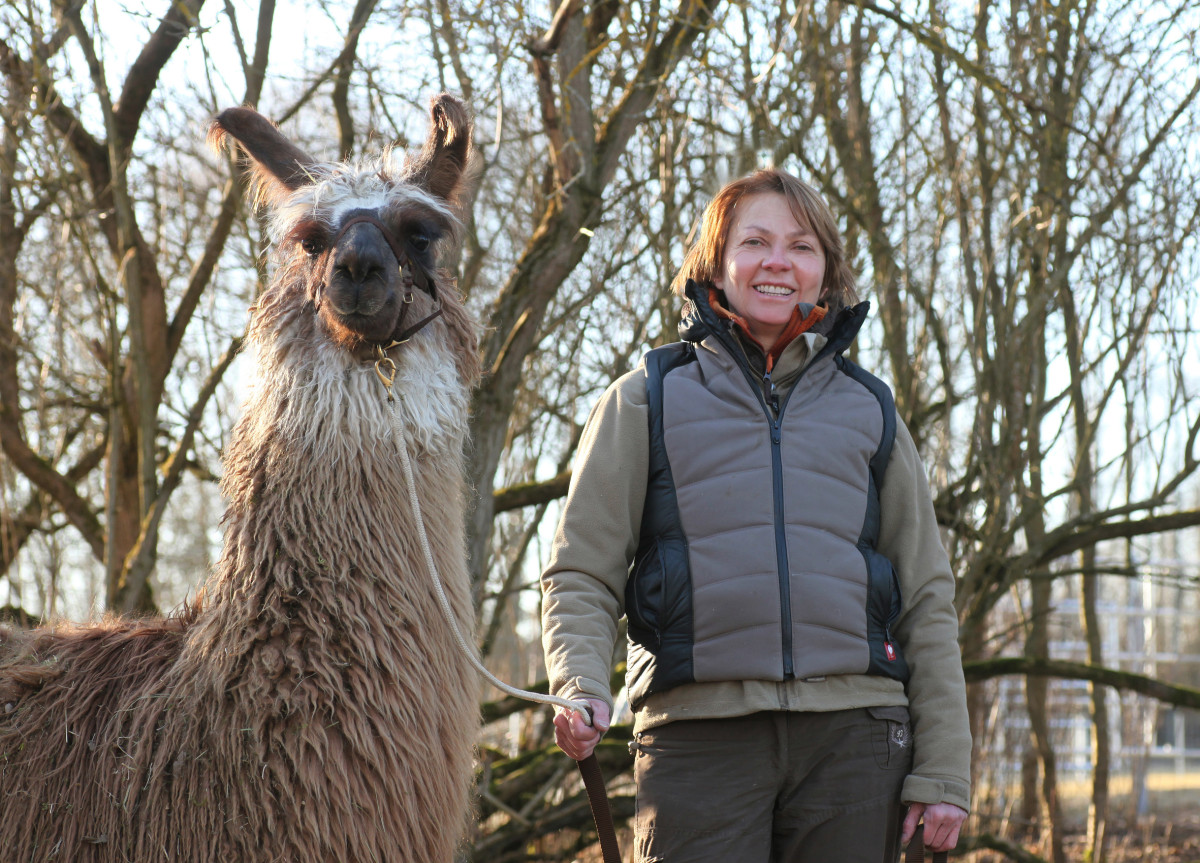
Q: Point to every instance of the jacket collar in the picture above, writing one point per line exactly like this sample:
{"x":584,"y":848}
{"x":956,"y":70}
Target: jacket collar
{"x":701,"y":319}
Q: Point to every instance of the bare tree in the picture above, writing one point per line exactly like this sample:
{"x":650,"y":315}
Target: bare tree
{"x":1014,"y":187}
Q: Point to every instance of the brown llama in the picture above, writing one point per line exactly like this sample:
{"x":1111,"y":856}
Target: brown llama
{"x":311,"y":704}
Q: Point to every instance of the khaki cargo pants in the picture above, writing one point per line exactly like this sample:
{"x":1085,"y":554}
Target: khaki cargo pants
{"x":779,"y":787}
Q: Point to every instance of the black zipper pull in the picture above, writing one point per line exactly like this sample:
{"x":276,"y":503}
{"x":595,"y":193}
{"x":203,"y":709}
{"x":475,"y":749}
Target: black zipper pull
{"x":772,"y":396}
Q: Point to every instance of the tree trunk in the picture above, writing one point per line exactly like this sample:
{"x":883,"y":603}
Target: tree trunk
{"x":1101,"y":734}
{"x":1036,"y":696}
{"x":559,"y":242}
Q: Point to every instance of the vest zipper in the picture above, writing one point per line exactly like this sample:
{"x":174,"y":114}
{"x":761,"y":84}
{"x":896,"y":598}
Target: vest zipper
{"x":771,"y":402}
{"x":781,"y":556}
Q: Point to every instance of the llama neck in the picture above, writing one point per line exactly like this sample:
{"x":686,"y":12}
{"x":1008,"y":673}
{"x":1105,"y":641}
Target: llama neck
{"x":321,"y":658}
{"x":320,"y":537}
{"x":309,"y":391}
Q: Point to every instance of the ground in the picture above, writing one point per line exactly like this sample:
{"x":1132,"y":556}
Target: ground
{"x":1154,"y":841}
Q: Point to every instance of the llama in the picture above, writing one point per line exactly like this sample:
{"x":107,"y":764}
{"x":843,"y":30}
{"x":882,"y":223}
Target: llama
{"x":311,"y":704}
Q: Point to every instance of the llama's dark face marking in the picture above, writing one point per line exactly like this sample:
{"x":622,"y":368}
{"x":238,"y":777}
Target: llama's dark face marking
{"x":363,"y":274}
{"x":364,"y":282}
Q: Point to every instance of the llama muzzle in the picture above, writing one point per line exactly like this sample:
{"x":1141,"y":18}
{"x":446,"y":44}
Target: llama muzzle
{"x":370,"y":277}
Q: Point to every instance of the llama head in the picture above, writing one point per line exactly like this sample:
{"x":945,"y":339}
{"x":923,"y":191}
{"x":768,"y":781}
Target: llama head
{"x":356,"y":248}
{"x":357,"y":245}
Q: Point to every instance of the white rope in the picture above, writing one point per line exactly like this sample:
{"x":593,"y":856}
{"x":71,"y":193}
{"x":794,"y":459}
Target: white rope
{"x":579,"y":707}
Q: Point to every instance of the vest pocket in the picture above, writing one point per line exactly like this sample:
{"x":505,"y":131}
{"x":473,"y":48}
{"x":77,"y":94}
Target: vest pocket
{"x":643,"y":597}
{"x":883,"y":607}
{"x":658,"y":594}
{"x":658,"y":607}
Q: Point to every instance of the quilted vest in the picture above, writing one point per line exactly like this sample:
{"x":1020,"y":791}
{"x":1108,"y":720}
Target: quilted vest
{"x":757,"y":556}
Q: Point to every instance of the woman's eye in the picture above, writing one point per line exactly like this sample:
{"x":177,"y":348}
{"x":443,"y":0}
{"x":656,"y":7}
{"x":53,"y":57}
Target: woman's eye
{"x":420,"y":242}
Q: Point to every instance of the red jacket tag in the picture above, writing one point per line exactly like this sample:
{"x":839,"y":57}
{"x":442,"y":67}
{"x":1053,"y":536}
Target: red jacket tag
{"x":890,"y":651}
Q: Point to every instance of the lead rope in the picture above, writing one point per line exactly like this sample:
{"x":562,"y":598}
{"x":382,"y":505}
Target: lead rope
{"x":916,"y":849}
{"x":589,"y":768}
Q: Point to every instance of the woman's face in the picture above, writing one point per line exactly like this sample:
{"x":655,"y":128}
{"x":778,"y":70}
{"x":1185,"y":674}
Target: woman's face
{"x":771,"y":263}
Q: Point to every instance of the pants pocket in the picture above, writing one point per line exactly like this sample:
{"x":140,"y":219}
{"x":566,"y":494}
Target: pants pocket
{"x":705,"y":790}
{"x":891,"y":736}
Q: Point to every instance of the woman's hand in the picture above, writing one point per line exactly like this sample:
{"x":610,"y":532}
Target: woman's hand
{"x":942,"y":823}
{"x":572,"y":733}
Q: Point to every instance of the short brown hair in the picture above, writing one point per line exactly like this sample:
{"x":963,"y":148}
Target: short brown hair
{"x":705,"y":258}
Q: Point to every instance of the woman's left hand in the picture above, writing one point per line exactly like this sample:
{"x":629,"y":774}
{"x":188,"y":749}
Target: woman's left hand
{"x":942,"y":823}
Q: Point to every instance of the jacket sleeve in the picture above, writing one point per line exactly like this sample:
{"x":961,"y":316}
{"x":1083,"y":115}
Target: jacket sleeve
{"x":927,"y":630}
{"x":583,"y":586}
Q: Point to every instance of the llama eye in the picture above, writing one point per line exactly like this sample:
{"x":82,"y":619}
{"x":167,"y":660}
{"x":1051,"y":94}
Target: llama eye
{"x":420,"y":242}
{"x":312,"y":247}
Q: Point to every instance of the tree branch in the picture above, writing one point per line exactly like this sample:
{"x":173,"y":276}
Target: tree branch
{"x":995,"y":843}
{"x":531,"y":493}
{"x":557,"y":246}
{"x":142,"y":557}
{"x":143,"y":75}
{"x":43,"y":475}
{"x":202,"y":271}
{"x":985,"y":669}
{"x":1060,"y":542}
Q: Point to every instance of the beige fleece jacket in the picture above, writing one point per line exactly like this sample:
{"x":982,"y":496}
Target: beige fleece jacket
{"x":584,"y":587}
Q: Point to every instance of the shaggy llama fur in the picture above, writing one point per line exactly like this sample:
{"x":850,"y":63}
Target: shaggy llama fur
{"x":311,"y":704}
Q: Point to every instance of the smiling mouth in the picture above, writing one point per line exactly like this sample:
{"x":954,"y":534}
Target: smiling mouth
{"x":774,"y":290}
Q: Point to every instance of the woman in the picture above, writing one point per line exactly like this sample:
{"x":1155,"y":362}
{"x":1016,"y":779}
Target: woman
{"x":751,"y":502}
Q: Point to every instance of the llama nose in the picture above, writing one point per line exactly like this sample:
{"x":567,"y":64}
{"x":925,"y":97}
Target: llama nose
{"x":358,"y":270}
{"x":359,"y":259}
{"x":360,"y":278}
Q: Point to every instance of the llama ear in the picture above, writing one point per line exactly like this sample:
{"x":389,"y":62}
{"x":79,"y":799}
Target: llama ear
{"x":279,"y":166}
{"x":440,"y":166}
